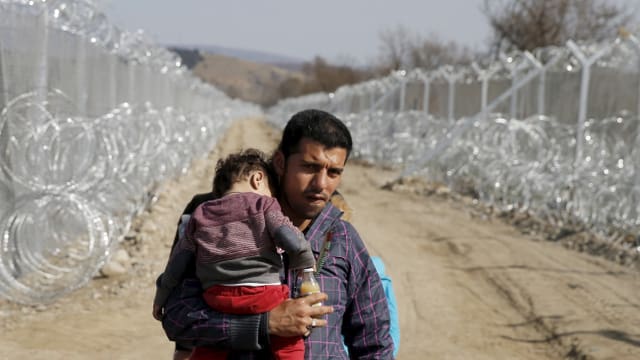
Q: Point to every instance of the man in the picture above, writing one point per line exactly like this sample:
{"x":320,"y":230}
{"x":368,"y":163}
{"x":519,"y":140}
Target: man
{"x":309,"y":162}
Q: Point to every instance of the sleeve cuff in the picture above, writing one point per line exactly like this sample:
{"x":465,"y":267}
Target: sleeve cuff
{"x":263,"y":335}
{"x":245,"y":331}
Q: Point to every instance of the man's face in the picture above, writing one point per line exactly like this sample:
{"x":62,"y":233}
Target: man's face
{"x":308,"y":178}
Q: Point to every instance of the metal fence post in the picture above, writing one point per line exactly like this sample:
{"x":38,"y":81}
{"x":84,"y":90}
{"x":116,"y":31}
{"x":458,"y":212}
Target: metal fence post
{"x":448,"y":73}
{"x":541,"y":82}
{"x":426,"y":80}
{"x":584,"y":91}
{"x":484,"y":75}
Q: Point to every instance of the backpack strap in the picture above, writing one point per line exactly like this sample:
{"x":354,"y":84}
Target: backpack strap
{"x":324,"y":251}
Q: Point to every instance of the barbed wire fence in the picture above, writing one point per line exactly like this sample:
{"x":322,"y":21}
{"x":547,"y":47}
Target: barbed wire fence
{"x":553,"y":133}
{"x":92,"y":119}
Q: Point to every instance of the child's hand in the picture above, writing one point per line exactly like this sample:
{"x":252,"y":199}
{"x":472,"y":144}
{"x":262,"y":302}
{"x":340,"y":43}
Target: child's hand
{"x":158,"y":312}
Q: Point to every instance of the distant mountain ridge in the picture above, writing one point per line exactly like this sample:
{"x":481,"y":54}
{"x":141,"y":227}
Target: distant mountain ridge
{"x":257,"y":56}
{"x":258,"y":81}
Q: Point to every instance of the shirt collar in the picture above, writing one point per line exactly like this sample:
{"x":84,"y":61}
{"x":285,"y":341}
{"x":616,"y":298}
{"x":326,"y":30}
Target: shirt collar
{"x":321,"y":225}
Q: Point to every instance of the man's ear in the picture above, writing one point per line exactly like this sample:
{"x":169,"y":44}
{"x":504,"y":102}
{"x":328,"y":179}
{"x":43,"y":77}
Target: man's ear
{"x":279,"y":163}
{"x":256,"y":178}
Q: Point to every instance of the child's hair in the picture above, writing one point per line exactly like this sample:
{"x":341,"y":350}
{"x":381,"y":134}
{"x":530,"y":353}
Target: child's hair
{"x":238,"y":166}
{"x":338,"y":201}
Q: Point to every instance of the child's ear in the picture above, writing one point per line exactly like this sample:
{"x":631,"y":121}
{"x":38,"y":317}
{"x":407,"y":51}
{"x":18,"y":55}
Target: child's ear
{"x":256,"y":179}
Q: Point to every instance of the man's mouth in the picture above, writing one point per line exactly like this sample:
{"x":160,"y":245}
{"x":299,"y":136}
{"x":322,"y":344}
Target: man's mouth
{"x":316,"y":198}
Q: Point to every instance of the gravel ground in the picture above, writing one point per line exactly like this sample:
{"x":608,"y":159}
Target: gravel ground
{"x":471,"y":283}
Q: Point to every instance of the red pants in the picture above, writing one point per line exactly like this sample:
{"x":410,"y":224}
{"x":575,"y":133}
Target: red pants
{"x":245,"y":300}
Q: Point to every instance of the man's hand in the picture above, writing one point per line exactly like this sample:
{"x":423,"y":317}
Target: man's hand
{"x":158,"y":312}
{"x":295,"y":317}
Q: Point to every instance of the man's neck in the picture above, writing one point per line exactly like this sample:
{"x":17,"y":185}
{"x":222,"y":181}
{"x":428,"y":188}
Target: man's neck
{"x":301,"y":223}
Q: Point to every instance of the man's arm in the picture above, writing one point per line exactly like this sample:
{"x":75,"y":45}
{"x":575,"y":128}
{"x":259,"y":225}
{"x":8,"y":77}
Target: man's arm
{"x":190,"y":321}
{"x":172,"y":276}
{"x":180,"y":264}
{"x":366,"y":321}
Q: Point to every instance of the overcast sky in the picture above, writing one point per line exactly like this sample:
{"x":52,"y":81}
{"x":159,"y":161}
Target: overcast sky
{"x":302,"y":29}
{"x":334,"y":29}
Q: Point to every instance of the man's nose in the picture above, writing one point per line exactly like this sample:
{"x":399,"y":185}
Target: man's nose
{"x":320,"y":180}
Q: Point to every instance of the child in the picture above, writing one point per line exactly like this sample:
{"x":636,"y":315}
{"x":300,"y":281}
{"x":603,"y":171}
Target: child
{"x":233,"y":239}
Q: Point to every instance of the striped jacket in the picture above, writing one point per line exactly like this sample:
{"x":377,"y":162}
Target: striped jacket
{"x":233,"y":240}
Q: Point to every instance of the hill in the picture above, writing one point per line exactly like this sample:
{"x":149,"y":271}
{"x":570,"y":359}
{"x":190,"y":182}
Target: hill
{"x":251,"y":81}
{"x":253,"y":76}
{"x":255,"y":56}
{"x":265,"y":78}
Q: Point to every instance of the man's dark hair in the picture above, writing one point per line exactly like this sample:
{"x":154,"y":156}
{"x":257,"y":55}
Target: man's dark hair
{"x":316,"y":125}
{"x":238,"y":166}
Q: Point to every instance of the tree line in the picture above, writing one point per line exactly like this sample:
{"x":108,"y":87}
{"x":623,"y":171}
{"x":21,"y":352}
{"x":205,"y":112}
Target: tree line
{"x":515,"y":25}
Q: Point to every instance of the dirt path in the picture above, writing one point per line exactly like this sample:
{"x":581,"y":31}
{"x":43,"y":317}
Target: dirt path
{"x":467,"y":288}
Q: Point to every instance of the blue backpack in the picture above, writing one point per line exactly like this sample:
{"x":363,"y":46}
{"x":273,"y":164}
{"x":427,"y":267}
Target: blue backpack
{"x":391,"y":301}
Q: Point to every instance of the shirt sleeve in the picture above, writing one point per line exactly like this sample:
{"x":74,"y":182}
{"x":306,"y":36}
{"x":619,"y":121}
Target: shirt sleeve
{"x":172,"y":275}
{"x":181,"y":256}
{"x":288,"y":237}
{"x":366,"y":320}
{"x":191,"y":322}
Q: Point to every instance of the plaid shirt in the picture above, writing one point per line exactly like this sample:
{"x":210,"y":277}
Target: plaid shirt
{"x":348,"y":276}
